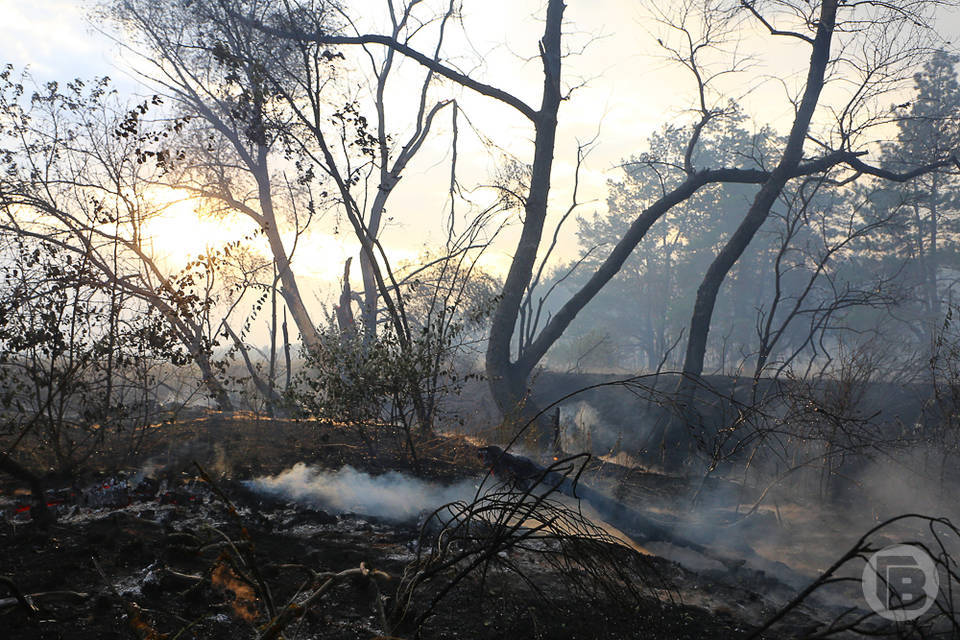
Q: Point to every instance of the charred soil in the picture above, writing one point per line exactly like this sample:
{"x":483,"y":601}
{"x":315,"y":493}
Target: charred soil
{"x":164,"y":553}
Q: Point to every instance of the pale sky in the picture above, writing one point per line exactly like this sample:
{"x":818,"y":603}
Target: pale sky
{"x":629,"y":91}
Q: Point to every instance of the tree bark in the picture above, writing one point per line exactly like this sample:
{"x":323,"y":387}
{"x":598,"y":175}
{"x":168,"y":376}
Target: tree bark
{"x":290,"y":291}
{"x":507,"y":379}
{"x":744,"y":234}
{"x":217,"y":391}
{"x":933,"y":293}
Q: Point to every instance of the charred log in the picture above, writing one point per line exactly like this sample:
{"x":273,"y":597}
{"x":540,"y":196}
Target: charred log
{"x":526,"y":474}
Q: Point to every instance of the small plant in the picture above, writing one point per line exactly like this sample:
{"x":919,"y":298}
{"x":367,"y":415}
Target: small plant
{"x":79,"y":361}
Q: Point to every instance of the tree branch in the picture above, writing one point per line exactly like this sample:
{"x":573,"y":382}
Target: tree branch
{"x":400,"y":47}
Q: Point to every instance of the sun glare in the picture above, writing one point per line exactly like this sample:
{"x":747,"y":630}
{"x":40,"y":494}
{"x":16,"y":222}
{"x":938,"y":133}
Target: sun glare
{"x":180,"y":233}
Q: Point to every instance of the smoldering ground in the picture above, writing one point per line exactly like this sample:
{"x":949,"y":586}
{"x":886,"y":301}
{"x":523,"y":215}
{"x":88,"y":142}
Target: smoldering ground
{"x":392,"y":495}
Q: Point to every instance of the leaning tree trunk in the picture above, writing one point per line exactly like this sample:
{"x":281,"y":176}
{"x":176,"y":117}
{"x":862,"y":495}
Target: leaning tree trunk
{"x":686,"y":415}
{"x":509,"y":382}
{"x":290,"y":291}
{"x":210,"y":380}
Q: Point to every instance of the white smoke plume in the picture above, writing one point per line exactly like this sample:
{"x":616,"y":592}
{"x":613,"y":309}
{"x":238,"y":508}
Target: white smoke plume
{"x":585,"y":429}
{"x":392,"y":495}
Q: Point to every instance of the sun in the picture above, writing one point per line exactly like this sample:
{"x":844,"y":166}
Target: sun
{"x":179,"y":232}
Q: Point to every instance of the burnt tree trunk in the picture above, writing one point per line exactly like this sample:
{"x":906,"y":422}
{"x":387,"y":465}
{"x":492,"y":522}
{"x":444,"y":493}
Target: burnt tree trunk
{"x":744,"y":234}
{"x":509,"y":380}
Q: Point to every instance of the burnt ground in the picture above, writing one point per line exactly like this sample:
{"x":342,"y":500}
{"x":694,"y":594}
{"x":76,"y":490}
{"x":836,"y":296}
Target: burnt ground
{"x":168,"y":557}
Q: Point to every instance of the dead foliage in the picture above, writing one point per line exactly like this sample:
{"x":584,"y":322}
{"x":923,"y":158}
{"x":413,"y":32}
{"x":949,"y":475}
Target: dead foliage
{"x":507,"y":528}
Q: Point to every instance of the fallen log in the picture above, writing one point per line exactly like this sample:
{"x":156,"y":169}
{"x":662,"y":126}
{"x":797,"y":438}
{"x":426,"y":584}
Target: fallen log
{"x":30,"y":600}
{"x":526,"y":474}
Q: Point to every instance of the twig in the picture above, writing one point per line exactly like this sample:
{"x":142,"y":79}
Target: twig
{"x":297,"y":610}
{"x":18,"y":597}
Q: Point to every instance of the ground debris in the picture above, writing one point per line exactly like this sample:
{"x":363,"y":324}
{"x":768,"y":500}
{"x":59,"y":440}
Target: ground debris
{"x":177,"y":558}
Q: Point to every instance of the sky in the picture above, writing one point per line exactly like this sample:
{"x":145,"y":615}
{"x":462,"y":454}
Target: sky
{"x":628,"y":90}
{"x":56,"y":40}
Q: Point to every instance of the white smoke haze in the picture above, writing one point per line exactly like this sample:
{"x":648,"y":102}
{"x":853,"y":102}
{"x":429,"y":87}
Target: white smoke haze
{"x":584,"y":429}
{"x":392,"y":495}
{"x":579,"y":420}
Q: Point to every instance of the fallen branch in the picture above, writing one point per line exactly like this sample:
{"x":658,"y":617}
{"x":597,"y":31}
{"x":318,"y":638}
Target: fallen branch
{"x":177,"y":578}
{"x":28,"y":600}
{"x":295,"y":610}
{"x":19,"y":598}
{"x":143,"y":629}
{"x":641,"y":528}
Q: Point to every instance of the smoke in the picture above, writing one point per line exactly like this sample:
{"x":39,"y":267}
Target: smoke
{"x":181,"y":455}
{"x":586,"y":430}
{"x":921,"y":480}
{"x":392,"y":495}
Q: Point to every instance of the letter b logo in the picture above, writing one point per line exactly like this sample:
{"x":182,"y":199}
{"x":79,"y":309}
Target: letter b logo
{"x":900,"y":582}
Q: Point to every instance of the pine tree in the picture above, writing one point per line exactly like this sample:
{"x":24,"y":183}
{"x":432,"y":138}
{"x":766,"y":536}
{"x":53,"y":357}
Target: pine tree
{"x":647,"y":305}
{"x":925,"y":236}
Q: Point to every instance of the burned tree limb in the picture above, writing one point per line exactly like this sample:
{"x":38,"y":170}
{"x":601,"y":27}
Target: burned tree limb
{"x":641,"y":528}
{"x":28,"y":601}
{"x":18,"y":598}
{"x":294,"y":611}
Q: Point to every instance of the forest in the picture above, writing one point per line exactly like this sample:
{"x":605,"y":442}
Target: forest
{"x":437,"y":318}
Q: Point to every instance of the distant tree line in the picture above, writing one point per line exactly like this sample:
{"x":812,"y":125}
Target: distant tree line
{"x":832,"y":263}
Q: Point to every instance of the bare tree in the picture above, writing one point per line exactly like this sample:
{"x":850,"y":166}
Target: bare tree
{"x":218,"y":70}
{"x":76,"y":178}
{"x":266,"y":98}
{"x":882,"y":44}
{"x":810,"y":295}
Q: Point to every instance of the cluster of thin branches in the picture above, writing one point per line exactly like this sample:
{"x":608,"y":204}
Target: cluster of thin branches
{"x":510,"y":529}
{"x":942,"y":619}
